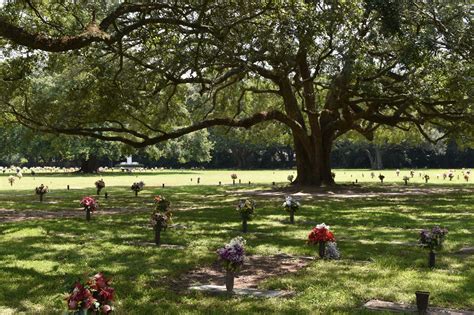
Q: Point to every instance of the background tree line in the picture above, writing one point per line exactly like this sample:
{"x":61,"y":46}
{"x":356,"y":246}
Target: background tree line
{"x":264,"y":148}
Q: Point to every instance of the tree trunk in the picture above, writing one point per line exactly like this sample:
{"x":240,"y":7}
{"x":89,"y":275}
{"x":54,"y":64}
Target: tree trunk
{"x":313,"y":162}
{"x":90,"y":165}
{"x":378,"y":158}
{"x":371,"y":159}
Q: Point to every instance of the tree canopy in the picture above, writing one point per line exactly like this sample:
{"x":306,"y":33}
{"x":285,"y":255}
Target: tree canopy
{"x":144,"y":73}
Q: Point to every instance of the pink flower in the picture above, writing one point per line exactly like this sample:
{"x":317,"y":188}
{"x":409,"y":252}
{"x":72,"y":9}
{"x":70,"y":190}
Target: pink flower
{"x":72,"y":305}
{"x":107,"y":294}
{"x":106,"y":309}
{"x":100,"y":281}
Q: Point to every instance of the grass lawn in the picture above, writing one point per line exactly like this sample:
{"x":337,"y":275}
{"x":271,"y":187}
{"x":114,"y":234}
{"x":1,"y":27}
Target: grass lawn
{"x":213,"y":177}
{"x":40,"y":259}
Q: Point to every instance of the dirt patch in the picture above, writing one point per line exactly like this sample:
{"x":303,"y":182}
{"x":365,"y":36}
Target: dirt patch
{"x":256,"y":269}
{"x":352,"y":191}
{"x":9,"y":215}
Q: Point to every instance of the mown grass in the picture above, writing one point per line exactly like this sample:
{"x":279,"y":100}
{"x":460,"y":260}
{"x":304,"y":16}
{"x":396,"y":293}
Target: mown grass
{"x":40,"y":259}
{"x":59,"y":181}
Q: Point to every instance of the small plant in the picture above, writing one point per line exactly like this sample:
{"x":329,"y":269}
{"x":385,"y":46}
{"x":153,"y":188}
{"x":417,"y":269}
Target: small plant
{"x":11,"y":180}
{"x":291,"y":206}
{"x":96,"y":296}
{"x":137,"y":187}
{"x":381,"y":177}
{"x":466,"y":177}
{"x":234,"y":177}
{"x":321,"y":234}
{"x":290,"y":178}
{"x":232,"y":257}
{"x":90,"y":205}
{"x":246,"y":208}
{"x":451,"y":175}
{"x":372,"y":175}
{"x":41,"y":190}
{"x":412,"y":173}
{"x":99,"y":185}
{"x":406,"y":179}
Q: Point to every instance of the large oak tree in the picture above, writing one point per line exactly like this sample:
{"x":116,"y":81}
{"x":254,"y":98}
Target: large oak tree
{"x":143,"y":73}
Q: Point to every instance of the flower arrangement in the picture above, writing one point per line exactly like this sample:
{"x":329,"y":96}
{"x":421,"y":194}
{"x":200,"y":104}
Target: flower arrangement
{"x":161,"y":217}
{"x":246,"y":208}
{"x":332,"y":252}
{"x":320,"y":233}
{"x":99,"y":185}
{"x":41,"y":190}
{"x":163,"y":205}
{"x":95,"y":295}
{"x":290,"y":178}
{"x":381,"y":177}
{"x":11,"y":179}
{"x":232,"y":255}
{"x":406,"y":179}
{"x":433,"y":239}
{"x":234,"y":177}
{"x":90,"y":205}
{"x":291,"y":204}
{"x":138,"y":186}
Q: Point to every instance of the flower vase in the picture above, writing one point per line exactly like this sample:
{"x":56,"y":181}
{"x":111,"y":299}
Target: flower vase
{"x":431,"y":259}
{"x":322,"y":249}
{"x":88,"y":214}
{"x":158,"y":233}
{"x":229,"y":281}
{"x":292,"y":216}
{"x":244,"y":225}
{"x":422,"y":298}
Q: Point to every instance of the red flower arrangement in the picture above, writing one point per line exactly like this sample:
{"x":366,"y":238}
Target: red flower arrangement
{"x":89,"y":203}
{"x":320,"y":233}
{"x":96,"y":295}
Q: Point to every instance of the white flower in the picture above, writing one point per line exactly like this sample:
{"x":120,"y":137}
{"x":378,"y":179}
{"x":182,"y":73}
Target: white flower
{"x":332,"y":251}
{"x":322,"y":225}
